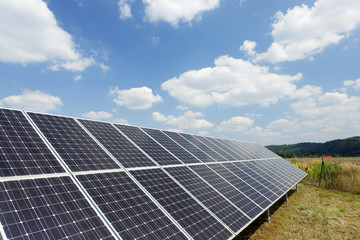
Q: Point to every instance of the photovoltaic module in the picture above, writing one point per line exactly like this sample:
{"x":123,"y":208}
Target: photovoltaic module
{"x":69,"y":178}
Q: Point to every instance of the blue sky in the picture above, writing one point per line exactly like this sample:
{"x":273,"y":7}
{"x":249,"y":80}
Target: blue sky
{"x":272,"y":72}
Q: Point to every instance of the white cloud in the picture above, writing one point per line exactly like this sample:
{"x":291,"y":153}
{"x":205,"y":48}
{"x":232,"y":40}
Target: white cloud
{"x":121,"y":121}
{"x":104,"y":67}
{"x":174,"y":11}
{"x":33,"y":101}
{"x":248,"y":47}
{"x":353,"y":83}
{"x":182,"y":107}
{"x":304,"y":31}
{"x":306,"y":91}
{"x":235,"y":124}
{"x":335,"y":104}
{"x":280,"y":124}
{"x":125,"y":9}
{"x":97,"y":115}
{"x":135,"y":98}
{"x":189,"y":120}
{"x":77,"y":77}
{"x":232,"y":82}
{"x":29,"y":33}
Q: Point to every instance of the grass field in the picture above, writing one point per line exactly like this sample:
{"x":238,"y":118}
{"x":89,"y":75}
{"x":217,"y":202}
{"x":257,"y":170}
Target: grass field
{"x":311,"y":213}
{"x":344,"y":171}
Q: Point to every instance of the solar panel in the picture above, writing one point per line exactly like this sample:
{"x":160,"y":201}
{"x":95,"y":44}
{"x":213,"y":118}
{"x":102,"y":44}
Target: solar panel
{"x":198,"y":222}
{"x":107,"y":181}
{"x":189,"y":147}
{"x":152,"y":148}
{"x":48,"y":208}
{"x":79,"y":151}
{"x":128,"y":208}
{"x":234,"y":195}
{"x":172,"y":146}
{"x":204,"y":147}
{"x":246,"y":185}
{"x":22,"y":152}
{"x":218,"y":204}
{"x":118,"y":145}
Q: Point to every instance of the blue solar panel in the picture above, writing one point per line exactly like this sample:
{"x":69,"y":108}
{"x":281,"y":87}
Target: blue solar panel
{"x":215,"y":147}
{"x":128,"y":208}
{"x":146,"y":143}
{"x":22,"y":152}
{"x":218,"y":204}
{"x":189,"y":147}
{"x":172,"y":146}
{"x":198,"y":222}
{"x":74,"y":145}
{"x":48,"y":208}
{"x":120,"y":147}
{"x":228,"y":190}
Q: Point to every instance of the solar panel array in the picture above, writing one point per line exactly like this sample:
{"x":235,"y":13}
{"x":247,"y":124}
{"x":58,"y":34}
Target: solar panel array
{"x":68,"y":178}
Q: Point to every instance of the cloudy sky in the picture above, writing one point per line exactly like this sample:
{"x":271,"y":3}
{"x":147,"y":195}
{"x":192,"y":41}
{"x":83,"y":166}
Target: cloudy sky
{"x":272,"y":72}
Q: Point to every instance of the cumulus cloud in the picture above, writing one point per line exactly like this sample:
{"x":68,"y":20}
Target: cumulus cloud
{"x":189,"y":120}
{"x":32,"y":101}
{"x":237,"y":124}
{"x":135,"y":98}
{"x":304,"y":31}
{"x":306,"y":91}
{"x":125,"y":9}
{"x":29,"y":33}
{"x":280,"y":124}
{"x":174,"y":11}
{"x":353,"y":83}
{"x":121,"y":121}
{"x":97,"y":115}
{"x":231,"y":83}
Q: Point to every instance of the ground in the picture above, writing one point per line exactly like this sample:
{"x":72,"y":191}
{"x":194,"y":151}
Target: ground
{"x":311,"y":213}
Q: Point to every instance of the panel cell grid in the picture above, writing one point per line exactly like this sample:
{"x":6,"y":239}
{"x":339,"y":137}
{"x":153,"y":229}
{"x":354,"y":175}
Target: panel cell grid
{"x":152,"y":148}
{"x":120,"y":147}
{"x":217,"y":148}
{"x":22,"y":152}
{"x":217,"y":204}
{"x":189,"y":147}
{"x":248,"y":188}
{"x":234,"y":151}
{"x":171,"y":145}
{"x":130,"y":211}
{"x":229,"y":191}
{"x":79,"y":151}
{"x":203,"y":147}
{"x":199,"y":223}
{"x":50,"y":208}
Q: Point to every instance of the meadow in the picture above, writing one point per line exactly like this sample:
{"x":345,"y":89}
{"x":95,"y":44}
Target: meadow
{"x":315,"y":212}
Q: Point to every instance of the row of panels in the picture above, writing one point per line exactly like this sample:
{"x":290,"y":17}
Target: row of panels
{"x":209,"y":201}
{"x":85,"y":145}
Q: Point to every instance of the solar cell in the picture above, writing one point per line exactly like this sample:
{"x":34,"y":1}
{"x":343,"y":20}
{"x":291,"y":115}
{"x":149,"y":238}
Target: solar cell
{"x":22,"y":152}
{"x":189,"y":147}
{"x":216,"y":148}
{"x":198,"y":222}
{"x":229,"y":191}
{"x":128,"y":208}
{"x":234,"y":151}
{"x":146,"y":143}
{"x":248,"y":178}
{"x":118,"y":145}
{"x":249,"y":188}
{"x":217,"y":203}
{"x":172,"y":146}
{"x":79,"y":151}
{"x":204,"y":147}
{"x":48,"y":208}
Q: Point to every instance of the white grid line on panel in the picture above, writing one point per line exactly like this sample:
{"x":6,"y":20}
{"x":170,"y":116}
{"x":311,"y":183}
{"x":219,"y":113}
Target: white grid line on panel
{"x":147,"y":155}
{"x":199,"y":202}
{"x":97,"y":141}
{"x":230,"y":151}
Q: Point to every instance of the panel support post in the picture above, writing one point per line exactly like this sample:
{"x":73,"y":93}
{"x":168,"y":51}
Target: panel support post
{"x":296,"y":188}
{"x":286,"y":197}
{"x":268,"y":215}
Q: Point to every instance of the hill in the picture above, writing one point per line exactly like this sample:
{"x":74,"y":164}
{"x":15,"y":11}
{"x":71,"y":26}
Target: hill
{"x":349,"y":147}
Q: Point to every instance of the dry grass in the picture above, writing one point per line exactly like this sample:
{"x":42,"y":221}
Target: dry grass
{"x":312,"y":213}
{"x":344,"y":171}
